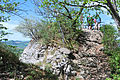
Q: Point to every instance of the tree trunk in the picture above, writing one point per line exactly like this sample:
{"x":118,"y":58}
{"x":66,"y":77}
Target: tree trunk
{"x":114,"y":13}
{"x":78,"y":15}
{"x":116,"y":21}
{"x":114,"y":4}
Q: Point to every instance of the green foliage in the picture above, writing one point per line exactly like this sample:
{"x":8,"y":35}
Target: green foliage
{"x":74,"y":9}
{"x":112,"y":50}
{"x":68,"y":15}
{"x":77,"y":79}
{"x":109,"y":38}
{"x":12,"y":49}
{"x":3,"y":32}
{"x":20,"y":71}
{"x":68,"y":33}
{"x":7,"y":57}
{"x":49,"y":32}
{"x":35,"y":73}
{"x":7,"y":6}
{"x":39,"y":30}
{"x":28,"y":28}
{"x":13,"y":68}
{"x":71,"y":8}
{"x":49,"y":74}
{"x":108,"y":79}
{"x":29,"y":78}
{"x":116,"y":76}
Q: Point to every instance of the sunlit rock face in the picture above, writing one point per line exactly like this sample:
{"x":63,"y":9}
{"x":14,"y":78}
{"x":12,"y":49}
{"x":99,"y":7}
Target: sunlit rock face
{"x":88,"y":63}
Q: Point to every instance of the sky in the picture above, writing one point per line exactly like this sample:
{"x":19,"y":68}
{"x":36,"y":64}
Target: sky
{"x":29,"y":13}
{"x":14,"y":21}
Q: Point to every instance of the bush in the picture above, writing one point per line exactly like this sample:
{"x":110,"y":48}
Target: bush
{"x":109,"y":38}
{"x":49,"y":32}
{"x":69,"y":33}
{"x":7,"y":54}
{"x":10,"y":64}
{"x":112,"y":50}
{"x":59,"y":31}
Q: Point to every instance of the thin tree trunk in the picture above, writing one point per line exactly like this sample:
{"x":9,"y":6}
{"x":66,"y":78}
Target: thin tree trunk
{"x":114,"y":14}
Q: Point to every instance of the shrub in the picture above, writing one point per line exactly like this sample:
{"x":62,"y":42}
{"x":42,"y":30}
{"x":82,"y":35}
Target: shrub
{"x":112,"y":50}
{"x":49,"y":32}
{"x":7,"y":55}
{"x":109,"y":38}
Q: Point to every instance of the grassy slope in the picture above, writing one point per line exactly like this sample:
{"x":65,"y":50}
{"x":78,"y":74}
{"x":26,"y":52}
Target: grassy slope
{"x":12,"y":68}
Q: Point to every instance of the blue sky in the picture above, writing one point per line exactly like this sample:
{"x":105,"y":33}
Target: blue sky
{"x":30,"y":12}
{"x":16,"y":19}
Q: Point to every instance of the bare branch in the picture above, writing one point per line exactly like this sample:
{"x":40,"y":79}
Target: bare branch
{"x":78,"y":15}
{"x":88,"y":6}
{"x":67,"y":11}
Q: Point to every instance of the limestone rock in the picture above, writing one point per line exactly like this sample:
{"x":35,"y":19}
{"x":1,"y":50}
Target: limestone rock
{"x":64,"y":51}
{"x":89,"y":63}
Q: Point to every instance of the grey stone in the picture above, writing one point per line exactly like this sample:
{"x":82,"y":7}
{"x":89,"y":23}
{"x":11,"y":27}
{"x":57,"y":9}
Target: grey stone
{"x":87,"y":61}
{"x":64,"y":51}
{"x":101,"y":49}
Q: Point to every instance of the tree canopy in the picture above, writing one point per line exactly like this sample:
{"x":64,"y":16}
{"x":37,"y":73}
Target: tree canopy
{"x":38,"y":29}
{"x":7,"y":7}
{"x":72,"y":9}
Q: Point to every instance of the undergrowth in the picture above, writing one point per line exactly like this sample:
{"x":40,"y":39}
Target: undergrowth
{"x":112,"y":49}
{"x":12,"y":68}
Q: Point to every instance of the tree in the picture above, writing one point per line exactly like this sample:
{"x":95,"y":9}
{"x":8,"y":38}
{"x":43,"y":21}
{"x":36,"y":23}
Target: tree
{"x":112,"y":49}
{"x":39,"y":30}
{"x":72,"y":9}
{"x":56,"y":10}
{"x":29,"y":28}
{"x":7,"y":7}
{"x":2,"y":32}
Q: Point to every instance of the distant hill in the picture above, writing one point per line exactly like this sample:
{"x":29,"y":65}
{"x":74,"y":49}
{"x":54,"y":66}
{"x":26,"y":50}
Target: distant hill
{"x":19,"y":44}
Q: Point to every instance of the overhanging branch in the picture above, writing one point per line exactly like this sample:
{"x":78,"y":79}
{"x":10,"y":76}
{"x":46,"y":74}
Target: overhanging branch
{"x":84,"y":6}
{"x":67,"y":11}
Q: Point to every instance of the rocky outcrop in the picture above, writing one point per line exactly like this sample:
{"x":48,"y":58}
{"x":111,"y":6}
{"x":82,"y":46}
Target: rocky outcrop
{"x":88,"y":63}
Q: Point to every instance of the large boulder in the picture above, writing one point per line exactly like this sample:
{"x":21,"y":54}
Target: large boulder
{"x":88,"y":63}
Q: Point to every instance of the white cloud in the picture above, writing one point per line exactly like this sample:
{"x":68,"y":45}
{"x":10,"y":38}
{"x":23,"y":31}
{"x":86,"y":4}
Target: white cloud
{"x":10,"y":26}
{"x":15,"y":35}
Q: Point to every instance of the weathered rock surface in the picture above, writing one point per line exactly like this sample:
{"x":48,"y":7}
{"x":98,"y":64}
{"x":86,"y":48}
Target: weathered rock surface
{"x":89,"y":63}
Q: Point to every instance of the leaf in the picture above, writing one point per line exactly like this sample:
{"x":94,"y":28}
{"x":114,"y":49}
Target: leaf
{"x":15,"y":4}
{"x":41,"y":6}
{"x":56,"y":0}
{"x":108,"y":79}
{"x":117,"y":58}
{"x":7,"y":0}
{"x":55,"y":6}
{"x":72,"y":2}
{"x":4,"y":1}
{"x":107,"y":13}
{"x":73,"y":12}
